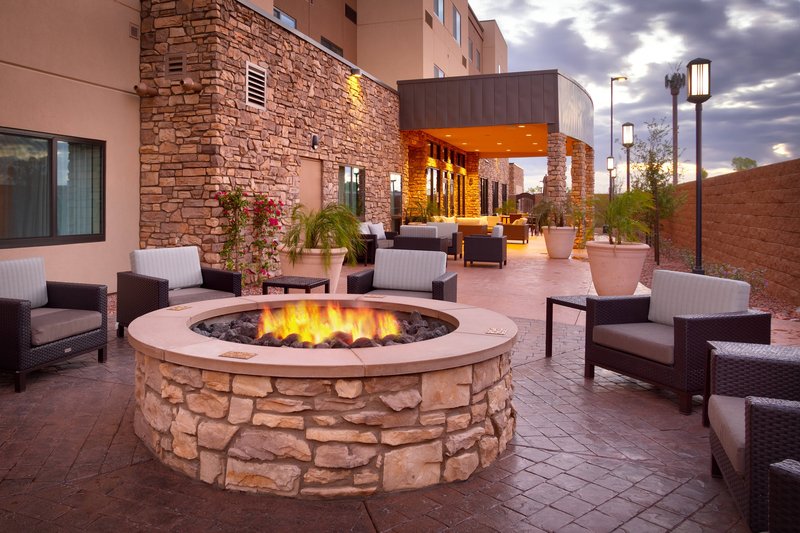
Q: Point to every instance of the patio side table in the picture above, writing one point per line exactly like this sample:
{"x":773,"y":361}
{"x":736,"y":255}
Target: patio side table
{"x":575,"y":302}
{"x":295,"y":282}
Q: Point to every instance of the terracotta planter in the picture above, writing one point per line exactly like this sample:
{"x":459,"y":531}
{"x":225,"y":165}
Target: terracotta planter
{"x":559,"y":241}
{"x":311,"y":264}
{"x":616,"y":268}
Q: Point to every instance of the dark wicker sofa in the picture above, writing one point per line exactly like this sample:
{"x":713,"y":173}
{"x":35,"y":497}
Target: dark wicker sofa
{"x":754,"y":410}
{"x":65,"y":320}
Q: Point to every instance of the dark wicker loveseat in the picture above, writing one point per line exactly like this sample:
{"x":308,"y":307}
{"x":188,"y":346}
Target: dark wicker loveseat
{"x":42,"y":322}
{"x":661,"y":338}
{"x":754,"y":410}
{"x":162,"y":277}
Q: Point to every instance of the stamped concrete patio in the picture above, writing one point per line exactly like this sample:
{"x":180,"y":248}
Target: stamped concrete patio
{"x":603,"y":455}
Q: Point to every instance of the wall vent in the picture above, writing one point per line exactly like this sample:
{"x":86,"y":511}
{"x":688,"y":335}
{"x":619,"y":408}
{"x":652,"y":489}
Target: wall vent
{"x":133,"y":31}
{"x":174,"y":66}
{"x":351,"y":14}
{"x":256,"y":86}
{"x":428,"y":19}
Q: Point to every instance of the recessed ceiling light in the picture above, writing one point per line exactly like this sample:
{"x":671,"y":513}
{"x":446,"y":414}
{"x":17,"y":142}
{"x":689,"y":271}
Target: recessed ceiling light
{"x":534,"y":143}
{"x":508,"y":149}
{"x":463,"y":143}
{"x":529,"y":135}
{"x":447,"y":135}
{"x":521,"y":126}
{"x":498,"y":144}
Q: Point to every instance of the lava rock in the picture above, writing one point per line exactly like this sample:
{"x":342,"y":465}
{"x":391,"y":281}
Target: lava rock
{"x":364,"y":342}
{"x":322,"y":345}
{"x":291,"y":339}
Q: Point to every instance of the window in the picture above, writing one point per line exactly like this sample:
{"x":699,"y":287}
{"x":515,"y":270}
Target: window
{"x":471,"y":47}
{"x":456,"y":25}
{"x":350,"y":14}
{"x":505,"y":193}
{"x":432,"y":185}
{"x":437,"y":72}
{"x":283,"y":18}
{"x":396,"y":186}
{"x":335,"y":48}
{"x":495,"y":196}
{"x":351,"y":188}
{"x":256,"y":86}
{"x":477,"y":59}
{"x":52,"y":189}
{"x":484,"y":196}
{"x":499,"y":70}
{"x":438,"y":9}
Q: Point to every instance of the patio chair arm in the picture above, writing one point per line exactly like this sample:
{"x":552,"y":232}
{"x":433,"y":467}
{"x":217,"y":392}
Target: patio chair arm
{"x":222,"y":280}
{"x":742,"y":370}
{"x":390,"y":235}
{"x":445,"y":287}
{"x":360,"y":282}
{"x":784,"y":493}
{"x":85,"y":296}
{"x":602,"y":310}
{"x":15,"y":330}
{"x":138,"y":294}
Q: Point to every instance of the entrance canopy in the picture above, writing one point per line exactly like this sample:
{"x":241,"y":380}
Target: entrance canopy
{"x":499,"y":115}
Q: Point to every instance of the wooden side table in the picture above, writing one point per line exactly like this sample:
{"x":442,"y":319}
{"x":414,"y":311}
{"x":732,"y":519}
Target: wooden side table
{"x":574,"y":302}
{"x":295,"y":282}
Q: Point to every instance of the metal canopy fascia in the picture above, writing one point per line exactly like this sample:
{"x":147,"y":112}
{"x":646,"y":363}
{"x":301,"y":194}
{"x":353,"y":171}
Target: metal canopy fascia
{"x":498,"y":115}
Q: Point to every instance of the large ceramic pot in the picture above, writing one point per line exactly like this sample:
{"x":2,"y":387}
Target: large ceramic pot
{"x":616,"y":268}
{"x":310,"y":263}
{"x":559,"y":241}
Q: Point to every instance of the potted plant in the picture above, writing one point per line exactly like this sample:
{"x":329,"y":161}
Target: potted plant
{"x":616,"y":266}
{"x":552,"y":218}
{"x":316,"y":243}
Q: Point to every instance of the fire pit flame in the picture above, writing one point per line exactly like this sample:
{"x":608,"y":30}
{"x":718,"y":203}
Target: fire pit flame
{"x":314,"y":323}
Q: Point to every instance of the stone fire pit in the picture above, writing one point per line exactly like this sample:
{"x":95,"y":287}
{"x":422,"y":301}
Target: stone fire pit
{"x":324,"y":423}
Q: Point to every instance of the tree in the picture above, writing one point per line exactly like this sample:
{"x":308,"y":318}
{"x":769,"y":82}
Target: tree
{"x":534,"y":190}
{"x":652,"y":169}
{"x":743,"y":163}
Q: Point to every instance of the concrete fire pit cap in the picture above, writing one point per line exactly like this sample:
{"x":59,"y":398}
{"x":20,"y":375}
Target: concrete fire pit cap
{"x":479,"y":334}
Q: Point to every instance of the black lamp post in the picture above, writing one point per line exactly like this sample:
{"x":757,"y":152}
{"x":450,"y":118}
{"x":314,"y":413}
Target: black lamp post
{"x":698,"y":90}
{"x":610,"y":160}
{"x":627,"y":142}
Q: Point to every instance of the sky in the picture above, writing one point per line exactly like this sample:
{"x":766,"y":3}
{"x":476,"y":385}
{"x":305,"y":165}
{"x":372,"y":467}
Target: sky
{"x":753,"y":45}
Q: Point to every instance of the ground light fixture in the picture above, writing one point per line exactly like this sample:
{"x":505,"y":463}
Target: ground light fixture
{"x":611,"y":152}
{"x":698,"y":90}
{"x":627,"y":142}
{"x":355,"y":71}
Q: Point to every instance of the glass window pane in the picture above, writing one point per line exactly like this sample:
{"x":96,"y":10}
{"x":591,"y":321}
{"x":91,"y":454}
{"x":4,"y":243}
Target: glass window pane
{"x":24,"y":187}
{"x":79,"y":188}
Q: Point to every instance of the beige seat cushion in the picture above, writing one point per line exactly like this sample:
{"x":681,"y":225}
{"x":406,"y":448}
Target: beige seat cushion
{"x":411,"y":294}
{"x":196,"y":294}
{"x":49,"y":324}
{"x":646,"y":339}
{"x":681,"y":293}
{"x":419,"y":231}
{"x":726,"y":416}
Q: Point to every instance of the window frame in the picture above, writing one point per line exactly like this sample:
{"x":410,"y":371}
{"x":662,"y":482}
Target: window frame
{"x":456,"y":24}
{"x":361,"y":184}
{"x":438,"y":10}
{"x":284,"y":18}
{"x":437,"y":72}
{"x":53,"y":239}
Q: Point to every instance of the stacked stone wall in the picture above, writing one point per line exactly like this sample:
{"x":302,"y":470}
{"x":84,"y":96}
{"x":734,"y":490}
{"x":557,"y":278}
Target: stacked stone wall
{"x":751,"y":219}
{"x":325,"y":438}
{"x":557,"y":168}
{"x":496,"y":171}
{"x":195,"y":143}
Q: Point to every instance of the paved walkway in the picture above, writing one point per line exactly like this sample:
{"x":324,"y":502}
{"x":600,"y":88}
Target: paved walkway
{"x":602,"y":455}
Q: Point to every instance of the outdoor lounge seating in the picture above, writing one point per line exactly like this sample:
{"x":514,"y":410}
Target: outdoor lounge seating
{"x":42,"y":322}
{"x":489,"y":249}
{"x":162,"y":277}
{"x":661,"y":338}
{"x":517,"y":232}
{"x":374,"y":237}
{"x":415,"y":273}
{"x":754,"y":410}
{"x":455,"y":239}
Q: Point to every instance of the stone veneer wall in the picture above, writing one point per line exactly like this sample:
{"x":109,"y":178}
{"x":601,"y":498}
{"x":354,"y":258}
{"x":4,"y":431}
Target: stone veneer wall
{"x":323,"y":438}
{"x":495,"y":170}
{"x":194,"y":144}
{"x":556,"y":167}
{"x":516,"y":180}
{"x":751,"y":219}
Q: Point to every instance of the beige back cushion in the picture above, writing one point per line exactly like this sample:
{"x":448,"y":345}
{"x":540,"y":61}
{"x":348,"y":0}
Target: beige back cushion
{"x":419,"y":231}
{"x":445,"y":229}
{"x":410,"y":270}
{"x":364,"y":228}
{"x":681,"y":293}
{"x":497,"y":231}
{"x":23,"y":279}
{"x":377,"y":230}
{"x":180,"y":266}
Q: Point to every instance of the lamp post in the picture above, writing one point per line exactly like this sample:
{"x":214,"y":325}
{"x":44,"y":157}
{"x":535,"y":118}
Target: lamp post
{"x":610,"y":160}
{"x":698,"y":90}
{"x":674,"y":83}
{"x":627,"y":142}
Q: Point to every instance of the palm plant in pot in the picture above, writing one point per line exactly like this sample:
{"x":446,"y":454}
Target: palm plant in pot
{"x":316,"y":243}
{"x":617,"y":265}
{"x":552,"y":219}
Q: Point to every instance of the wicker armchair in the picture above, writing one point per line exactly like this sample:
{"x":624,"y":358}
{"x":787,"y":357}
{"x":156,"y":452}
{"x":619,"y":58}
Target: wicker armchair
{"x":486,"y":249}
{"x":754,"y":410}
{"x":661,"y":338}
{"x":42,"y":322}
{"x":415,"y":273}
{"x":517,"y":232}
{"x":163,"y":277}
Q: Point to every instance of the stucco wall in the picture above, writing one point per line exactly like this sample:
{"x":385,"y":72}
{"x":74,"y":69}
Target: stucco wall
{"x":751,"y":219}
{"x":194,"y":144}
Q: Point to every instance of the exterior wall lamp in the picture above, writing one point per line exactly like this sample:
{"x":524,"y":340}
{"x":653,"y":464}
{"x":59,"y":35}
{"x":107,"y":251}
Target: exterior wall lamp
{"x":698,"y":90}
{"x":314,"y":141}
{"x":355,"y":71}
{"x":627,"y":142}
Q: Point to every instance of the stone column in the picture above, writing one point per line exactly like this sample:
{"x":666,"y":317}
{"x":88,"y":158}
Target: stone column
{"x":589,"y":184}
{"x":473,"y":186}
{"x":578,"y":194}
{"x":556,"y":168}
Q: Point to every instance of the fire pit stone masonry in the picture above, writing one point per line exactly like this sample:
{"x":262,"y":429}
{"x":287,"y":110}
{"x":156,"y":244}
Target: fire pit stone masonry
{"x":324,"y":423}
